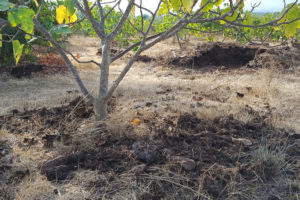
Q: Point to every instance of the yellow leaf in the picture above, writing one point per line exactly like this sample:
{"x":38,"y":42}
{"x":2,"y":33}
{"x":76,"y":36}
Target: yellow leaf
{"x":136,"y":122}
{"x":218,"y":3}
{"x":70,"y":19}
{"x":0,"y":40}
{"x":73,"y":18}
{"x":188,"y":4}
{"x":241,"y":6}
{"x":51,"y":45}
{"x":36,"y":3}
{"x":61,"y":14}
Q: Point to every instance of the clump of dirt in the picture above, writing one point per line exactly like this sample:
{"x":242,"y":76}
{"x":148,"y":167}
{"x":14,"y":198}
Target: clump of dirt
{"x":277,"y":57}
{"x":144,"y":58}
{"x":51,"y":124}
{"x":232,"y":55}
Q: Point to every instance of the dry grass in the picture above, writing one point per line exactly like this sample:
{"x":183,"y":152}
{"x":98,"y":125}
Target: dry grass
{"x":267,"y":92}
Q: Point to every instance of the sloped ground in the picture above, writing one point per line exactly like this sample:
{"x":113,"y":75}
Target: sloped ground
{"x":172,"y":133}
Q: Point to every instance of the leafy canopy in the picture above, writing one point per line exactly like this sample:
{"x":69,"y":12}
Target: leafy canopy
{"x":67,"y":13}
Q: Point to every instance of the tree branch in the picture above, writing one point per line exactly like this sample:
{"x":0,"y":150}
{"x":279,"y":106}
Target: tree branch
{"x":122,"y":21}
{"x":74,"y":71}
{"x":102,"y":19}
{"x":3,"y":23}
{"x":82,"y":62}
{"x":87,"y":12}
{"x":133,"y":46}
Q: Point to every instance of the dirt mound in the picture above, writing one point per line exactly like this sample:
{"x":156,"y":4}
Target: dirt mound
{"x":144,"y":58}
{"x":25,"y":70}
{"x":279,"y":57}
{"x":232,"y":55}
{"x":216,"y":54}
{"x":46,"y":64}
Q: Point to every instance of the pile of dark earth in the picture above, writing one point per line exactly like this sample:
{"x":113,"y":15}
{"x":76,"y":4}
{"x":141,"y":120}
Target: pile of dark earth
{"x":233,"y":55}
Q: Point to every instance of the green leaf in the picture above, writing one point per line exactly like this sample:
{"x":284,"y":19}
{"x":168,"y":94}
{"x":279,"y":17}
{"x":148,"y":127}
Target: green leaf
{"x":218,"y":3}
{"x":70,"y":6}
{"x":22,"y":15}
{"x":226,"y":10}
{"x":5,"y":5}
{"x":18,"y":48}
{"x":0,"y":40}
{"x":188,"y":4}
{"x":135,"y":49}
{"x":176,"y":4}
{"x":248,"y":20}
{"x":163,"y":9}
{"x":27,"y":37}
{"x":208,"y":7}
{"x":233,"y":17}
{"x":290,"y":29}
{"x":62,"y":29}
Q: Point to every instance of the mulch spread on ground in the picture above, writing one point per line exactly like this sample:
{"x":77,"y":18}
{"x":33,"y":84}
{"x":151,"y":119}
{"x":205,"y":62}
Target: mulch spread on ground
{"x":216,"y":152}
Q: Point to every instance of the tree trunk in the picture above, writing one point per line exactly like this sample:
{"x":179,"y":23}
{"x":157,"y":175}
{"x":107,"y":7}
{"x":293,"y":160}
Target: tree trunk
{"x":100,"y":108}
{"x":100,"y":104}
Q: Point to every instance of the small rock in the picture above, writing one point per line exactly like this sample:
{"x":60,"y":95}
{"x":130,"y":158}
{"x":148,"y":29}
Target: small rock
{"x":243,"y":141}
{"x":6,"y":147}
{"x":60,"y":168}
{"x":146,"y":151}
{"x":186,"y":163}
{"x":241,"y":95}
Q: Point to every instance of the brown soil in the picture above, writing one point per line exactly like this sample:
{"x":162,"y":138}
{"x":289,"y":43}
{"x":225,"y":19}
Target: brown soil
{"x":46,"y":64}
{"x":217,"y":151}
{"x":232,"y":55}
{"x":65,"y":119}
{"x":145,"y":59}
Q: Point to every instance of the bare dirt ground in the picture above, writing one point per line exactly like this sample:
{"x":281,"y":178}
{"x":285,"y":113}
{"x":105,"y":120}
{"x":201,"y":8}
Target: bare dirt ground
{"x":215,"y":121}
